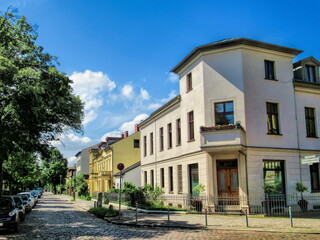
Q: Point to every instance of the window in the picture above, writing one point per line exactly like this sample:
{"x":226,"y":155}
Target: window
{"x":273,"y":174}
{"x":136,"y":143}
{"x":145,"y":178}
{"x":180,"y":179}
{"x":272,"y":118}
{"x":310,"y":73}
{"x":162,"y":177}
{"x":191,"y":126}
{"x":315,"y":178}
{"x":169,"y":135}
{"x":151,"y":143}
{"x":171,"y":179}
{"x":178,"y":124}
{"x":145,"y":146}
{"x":310,"y":122}
{"x":193,"y":177}
{"x":161,"y":139}
{"x":269,"y":69}
{"x":189,"y":82}
{"x":152,"y":178}
{"x":224,"y":113}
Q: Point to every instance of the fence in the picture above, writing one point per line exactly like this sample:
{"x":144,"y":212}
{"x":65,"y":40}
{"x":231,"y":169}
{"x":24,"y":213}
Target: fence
{"x":254,"y":205}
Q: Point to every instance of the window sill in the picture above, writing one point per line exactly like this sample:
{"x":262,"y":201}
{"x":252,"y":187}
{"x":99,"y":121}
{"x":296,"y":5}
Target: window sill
{"x":161,"y":150}
{"x":171,"y":192}
{"x":178,"y":145}
{"x":312,"y":137}
{"x":275,"y":134}
{"x":189,"y":90}
{"x":191,"y":140}
{"x":315,"y":191}
{"x":169,"y":148}
{"x":276,"y":80}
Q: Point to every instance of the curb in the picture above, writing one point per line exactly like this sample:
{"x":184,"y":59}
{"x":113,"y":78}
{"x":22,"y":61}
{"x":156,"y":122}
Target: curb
{"x":151,"y":225}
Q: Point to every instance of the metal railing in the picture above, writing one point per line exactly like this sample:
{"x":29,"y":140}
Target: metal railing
{"x":254,"y":205}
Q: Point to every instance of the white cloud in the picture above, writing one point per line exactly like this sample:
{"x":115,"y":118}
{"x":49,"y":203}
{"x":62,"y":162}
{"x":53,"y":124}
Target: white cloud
{"x":144,"y":94}
{"x":172,"y":77}
{"x":115,"y":133}
{"x":76,"y":139}
{"x":126,"y":126}
{"x":127,"y":91}
{"x":91,"y":86}
{"x":90,"y":116}
{"x":71,"y":159}
{"x":129,"y":126}
{"x":172,"y":94}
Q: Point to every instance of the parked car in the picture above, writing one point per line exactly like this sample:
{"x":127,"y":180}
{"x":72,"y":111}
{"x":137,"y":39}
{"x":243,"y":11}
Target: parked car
{"x":40,"y":189}
{"x":21,"y":207}
{"x":29,"y":197}
{"x":9,"y":214}
{"x":27,"y":204}
{"x":35,"y":194}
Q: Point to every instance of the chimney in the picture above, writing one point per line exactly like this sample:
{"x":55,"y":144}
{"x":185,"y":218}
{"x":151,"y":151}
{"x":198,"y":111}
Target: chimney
{"x":122,"y":135}
{"x":136,"y":128}
{"x":126,"y":134}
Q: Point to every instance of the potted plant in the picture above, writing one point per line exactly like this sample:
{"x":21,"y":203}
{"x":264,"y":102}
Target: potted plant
{"x":197,"y":203}
{"x":303,"y":204}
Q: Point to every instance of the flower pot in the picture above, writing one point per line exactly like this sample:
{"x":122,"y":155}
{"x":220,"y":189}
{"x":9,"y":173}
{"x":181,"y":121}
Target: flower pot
{"x":303,"y":204}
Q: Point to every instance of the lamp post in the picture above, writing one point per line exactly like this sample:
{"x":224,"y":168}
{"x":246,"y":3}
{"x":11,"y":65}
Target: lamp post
{"x":60,"y":184}
{"x":74,"y":188}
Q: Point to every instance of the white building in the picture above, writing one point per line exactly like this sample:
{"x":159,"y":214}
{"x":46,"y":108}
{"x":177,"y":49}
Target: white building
{"x":197,"y":137}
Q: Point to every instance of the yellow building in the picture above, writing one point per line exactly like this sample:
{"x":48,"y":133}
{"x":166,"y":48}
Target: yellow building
{"x":105,"y":158}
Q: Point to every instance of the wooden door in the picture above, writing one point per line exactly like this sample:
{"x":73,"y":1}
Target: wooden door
{"x":228,"y":182}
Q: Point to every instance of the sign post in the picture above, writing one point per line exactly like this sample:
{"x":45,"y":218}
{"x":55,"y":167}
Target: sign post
{"x":120,"y":167}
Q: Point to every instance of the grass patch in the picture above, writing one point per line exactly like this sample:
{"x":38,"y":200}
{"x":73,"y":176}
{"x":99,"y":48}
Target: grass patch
{"x":102,"y":212}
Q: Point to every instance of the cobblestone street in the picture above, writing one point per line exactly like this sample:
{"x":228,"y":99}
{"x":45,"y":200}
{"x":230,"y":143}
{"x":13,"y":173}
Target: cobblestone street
{"x":56,"y":218}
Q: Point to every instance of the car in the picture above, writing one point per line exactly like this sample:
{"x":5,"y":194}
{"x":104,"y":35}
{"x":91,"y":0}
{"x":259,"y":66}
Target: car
{"x":27,"y":204}
{"x":9,"y":213}
{"x":35,"y":194}
{"x":19,"y":204}
{"x":27,"y":196}
{"x":40,"y":189}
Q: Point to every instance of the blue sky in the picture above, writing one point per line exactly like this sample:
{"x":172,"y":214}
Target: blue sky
{"x":119,"y":53}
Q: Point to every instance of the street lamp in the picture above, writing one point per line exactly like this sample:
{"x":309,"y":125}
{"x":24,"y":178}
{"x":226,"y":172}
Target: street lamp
{"x":60,"y":184}
{"x":74,"y":188}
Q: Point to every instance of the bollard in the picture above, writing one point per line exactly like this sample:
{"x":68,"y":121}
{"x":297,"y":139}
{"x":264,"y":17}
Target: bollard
{"x":206,"y":216}
{"x":168,"y":216}
{"x":247,"y":220}
{"x":136,"y":213}
{"x":290,"y":216}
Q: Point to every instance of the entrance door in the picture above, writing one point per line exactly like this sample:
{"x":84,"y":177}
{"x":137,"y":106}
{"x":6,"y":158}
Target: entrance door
{"x":228,"y":183}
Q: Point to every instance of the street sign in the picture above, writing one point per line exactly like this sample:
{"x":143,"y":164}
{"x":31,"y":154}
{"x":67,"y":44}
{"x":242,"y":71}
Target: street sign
{"x":120,"y":166}
{"x":310,"y":159}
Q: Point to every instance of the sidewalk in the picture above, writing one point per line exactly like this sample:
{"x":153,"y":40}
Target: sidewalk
{"x":231,"y":222}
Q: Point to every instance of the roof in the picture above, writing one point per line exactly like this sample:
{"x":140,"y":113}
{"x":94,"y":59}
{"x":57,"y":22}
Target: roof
{"x":228,"y":42}
{"x":162,"y":108}
{"x":133,"y":166}
{"x":308,"y":59}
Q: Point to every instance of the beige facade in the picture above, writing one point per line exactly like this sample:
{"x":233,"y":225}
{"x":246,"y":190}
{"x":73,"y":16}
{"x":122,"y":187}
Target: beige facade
{"x":242,"y":123}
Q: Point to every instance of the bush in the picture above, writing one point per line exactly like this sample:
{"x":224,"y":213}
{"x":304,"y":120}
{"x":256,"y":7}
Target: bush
{"x":102,"y":212}
{"x":87,"y":198}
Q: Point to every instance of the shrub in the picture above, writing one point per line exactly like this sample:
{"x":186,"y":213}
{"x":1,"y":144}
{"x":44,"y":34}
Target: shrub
{"x":102,"y":212}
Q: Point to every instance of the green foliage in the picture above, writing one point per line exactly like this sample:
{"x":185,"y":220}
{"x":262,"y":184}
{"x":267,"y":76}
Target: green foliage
{"x":36,"y":99}
{"x":102,"y":212}
{"x":268,"y":189}
{"x":53,"y":167}
{"x":82,"y":187}
{"x":300,"y":187}
{"x":85,"y":197}
{"x":199,"y":189}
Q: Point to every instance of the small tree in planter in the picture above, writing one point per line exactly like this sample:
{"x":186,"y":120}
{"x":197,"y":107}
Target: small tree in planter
{"x":266,"y":204}
{"x":197,"y":203}
{"x":303,"y":204}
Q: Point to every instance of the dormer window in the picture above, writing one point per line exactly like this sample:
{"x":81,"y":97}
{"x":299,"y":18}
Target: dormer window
{"x":310,"y":73}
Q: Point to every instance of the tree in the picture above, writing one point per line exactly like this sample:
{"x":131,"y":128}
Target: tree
{"x":54,"y":168}
{"x":82,"y":187}
{"x":36,"y":100}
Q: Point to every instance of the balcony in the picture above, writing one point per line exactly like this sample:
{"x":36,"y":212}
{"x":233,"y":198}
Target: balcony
{"x":227,"y":137}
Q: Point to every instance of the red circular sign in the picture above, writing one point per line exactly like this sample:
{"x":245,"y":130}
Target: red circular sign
{"x":120,"y":166}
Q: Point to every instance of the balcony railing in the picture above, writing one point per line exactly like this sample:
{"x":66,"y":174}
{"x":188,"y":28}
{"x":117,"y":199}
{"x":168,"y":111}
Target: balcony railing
{"x":226,"y":136}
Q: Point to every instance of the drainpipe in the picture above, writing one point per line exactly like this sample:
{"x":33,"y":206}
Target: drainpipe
{"x":112,"y":167}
